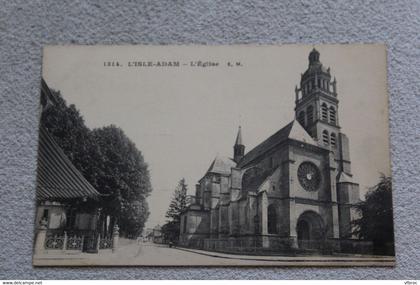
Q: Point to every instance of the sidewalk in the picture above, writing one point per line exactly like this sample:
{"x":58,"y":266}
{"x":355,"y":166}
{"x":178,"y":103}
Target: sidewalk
{"x":299,"y":258}
{"x":131,"y":253}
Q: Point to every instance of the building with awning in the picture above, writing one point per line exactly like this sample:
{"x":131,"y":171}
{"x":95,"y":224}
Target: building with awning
{"x":61,"y":188}
{"x":68,"y":213}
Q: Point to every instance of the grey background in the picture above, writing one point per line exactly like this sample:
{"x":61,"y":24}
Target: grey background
{"x":26,"y":26}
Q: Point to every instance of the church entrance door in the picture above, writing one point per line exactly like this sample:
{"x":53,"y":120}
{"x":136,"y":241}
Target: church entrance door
{"x":309,"y":230}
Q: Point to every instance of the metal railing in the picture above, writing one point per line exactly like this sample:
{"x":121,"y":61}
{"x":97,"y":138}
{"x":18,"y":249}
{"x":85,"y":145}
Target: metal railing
{"x":76,"y":240}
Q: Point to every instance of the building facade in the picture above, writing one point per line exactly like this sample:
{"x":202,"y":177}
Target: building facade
{"x":293,"y":191}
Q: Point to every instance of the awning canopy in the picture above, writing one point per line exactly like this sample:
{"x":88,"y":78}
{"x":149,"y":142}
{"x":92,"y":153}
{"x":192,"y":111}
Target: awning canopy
{"x":57,"y":178}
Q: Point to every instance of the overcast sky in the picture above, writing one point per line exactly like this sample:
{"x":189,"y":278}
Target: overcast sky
{"x":180,"y":118}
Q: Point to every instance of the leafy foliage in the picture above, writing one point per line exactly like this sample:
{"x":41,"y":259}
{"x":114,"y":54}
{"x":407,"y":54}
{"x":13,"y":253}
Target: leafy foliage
{"x":170,"y":231}
{"x":178,"y":205}
{"x":122,"y":174}
{"x":69,"y":130}
{"x":376,"y":221}
{"x":133,"y":218}
{"x":109,"y":160}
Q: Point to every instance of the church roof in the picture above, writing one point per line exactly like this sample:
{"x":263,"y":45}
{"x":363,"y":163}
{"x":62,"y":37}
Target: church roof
{"x":298,"y":133}
{"x":221,"y":165}
{"x":293,"y":131}
{"x":57,"y":178}
{"x":257,"y":179}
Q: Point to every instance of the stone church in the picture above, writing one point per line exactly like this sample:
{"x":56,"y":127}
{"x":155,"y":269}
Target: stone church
{"x":293,"y":191}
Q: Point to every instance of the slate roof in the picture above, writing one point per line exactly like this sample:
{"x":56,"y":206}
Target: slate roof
{"x":293,"y":130}
{"x":257,"y":180}
{"x":221,"y":165}
{"x":57,"y":178}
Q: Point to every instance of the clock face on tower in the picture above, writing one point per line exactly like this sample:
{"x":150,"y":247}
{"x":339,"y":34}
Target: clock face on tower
{"x":309,"y":176}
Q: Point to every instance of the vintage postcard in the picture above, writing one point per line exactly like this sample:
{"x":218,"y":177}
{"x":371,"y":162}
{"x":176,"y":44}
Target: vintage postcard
{"x":214,"y":156}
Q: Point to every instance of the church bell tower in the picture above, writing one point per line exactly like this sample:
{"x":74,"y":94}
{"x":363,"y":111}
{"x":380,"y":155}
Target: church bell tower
{"x":317,"y":104}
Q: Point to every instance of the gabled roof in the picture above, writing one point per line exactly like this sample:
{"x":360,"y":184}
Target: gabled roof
{"x":293,"y":130}
{"x":57,"y":178}
{"x":221,"y":165}
{"x":298,"y":133}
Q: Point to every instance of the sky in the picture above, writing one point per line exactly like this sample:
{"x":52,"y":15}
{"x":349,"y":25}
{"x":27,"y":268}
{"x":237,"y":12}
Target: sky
{"x":181,"y":117}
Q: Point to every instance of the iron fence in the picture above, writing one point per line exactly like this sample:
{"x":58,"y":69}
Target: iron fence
{"x":76,"y":240}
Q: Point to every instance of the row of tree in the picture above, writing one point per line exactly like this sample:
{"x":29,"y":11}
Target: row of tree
{"x":109,"y":160}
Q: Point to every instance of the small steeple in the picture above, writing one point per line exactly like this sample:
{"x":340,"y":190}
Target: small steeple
{"x":239,"y":137}
{"x":238,"y":148}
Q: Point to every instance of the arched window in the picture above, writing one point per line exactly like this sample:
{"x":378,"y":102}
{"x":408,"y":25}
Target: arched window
{"x":332,"y":115}
{"x":325,"y":137}
{"x":333,"y":139}
{"x":319,"y":83}
{"x":301,"y":118}
{"x":272,"y":219}
{"x":309,"y":114}
{"x":324,"y":112}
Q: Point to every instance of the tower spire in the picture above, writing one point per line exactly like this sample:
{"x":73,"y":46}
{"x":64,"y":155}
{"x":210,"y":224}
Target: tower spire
{"x":239,"y":137}
{"x":239,"y":147}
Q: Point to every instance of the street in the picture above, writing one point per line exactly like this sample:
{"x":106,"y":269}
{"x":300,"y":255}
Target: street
{"x":133,"y":253}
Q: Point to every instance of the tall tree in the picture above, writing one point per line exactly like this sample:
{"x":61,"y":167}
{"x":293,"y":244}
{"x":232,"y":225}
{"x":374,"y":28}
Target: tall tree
{"x":69,"y":131}
{"x":376,"y":217}
{"x":108,"y":159}
{"x":178,"y":205}
{"x":124,"y":176}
